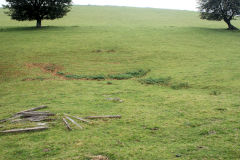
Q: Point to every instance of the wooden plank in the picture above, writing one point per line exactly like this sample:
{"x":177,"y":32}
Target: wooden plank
{"x":70,"y":119}
{"x":24,"y":130}
{"x":67,"y":125}
{"x":101,"y":117}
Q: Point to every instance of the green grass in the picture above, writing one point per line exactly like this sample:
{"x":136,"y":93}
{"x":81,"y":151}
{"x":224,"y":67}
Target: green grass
{"x":198,"y":118}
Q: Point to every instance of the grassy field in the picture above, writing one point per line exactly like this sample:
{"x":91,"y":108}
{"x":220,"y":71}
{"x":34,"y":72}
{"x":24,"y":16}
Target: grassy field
{"x":186,"y":107}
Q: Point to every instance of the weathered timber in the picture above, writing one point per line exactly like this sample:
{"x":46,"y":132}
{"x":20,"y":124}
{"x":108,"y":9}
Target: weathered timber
{"x":24,"y":130}
{"x":67,"y":125}
{"x":101,"y":117}
{"x":34,"y":113}
{"x":11,"y":118}
{"x":39,"y":119}
{"x":81,"y":119}
{"x":4,"y":120}
{"x":70,"y":119}
{"x":33,"y":109}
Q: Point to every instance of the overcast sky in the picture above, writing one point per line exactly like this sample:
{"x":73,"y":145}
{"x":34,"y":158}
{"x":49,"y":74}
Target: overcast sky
{"x":168,"y":4}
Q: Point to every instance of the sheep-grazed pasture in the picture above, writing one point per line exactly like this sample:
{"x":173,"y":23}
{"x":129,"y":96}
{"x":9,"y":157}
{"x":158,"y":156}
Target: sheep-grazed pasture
{"x":178,"y":78}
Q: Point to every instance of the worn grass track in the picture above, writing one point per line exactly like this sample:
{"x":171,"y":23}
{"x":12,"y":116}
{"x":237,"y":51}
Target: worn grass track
{"x":159,"y":121}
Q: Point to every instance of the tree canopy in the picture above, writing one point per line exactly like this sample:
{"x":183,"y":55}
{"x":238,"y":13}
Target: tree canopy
{"x":220,"y":10}
{"x":38,"y":10}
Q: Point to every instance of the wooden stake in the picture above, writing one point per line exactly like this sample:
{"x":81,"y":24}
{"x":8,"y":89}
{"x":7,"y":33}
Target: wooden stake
{"x":74,"y":122}
{"x":67,"y":125}
{"x":33,"y":109}
{"x":101,"y":117}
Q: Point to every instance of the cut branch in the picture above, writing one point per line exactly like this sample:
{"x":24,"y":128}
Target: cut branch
{"x":24,"y":130}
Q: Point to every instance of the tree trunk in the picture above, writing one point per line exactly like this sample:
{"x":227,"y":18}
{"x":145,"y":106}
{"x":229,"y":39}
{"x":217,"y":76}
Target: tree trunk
{"x":39,"y":23}
{"x":230,"y":26}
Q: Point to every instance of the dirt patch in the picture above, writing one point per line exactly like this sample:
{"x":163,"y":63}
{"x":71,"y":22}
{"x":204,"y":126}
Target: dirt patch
{"x":53,"y":69}
{"x":46,"y":67}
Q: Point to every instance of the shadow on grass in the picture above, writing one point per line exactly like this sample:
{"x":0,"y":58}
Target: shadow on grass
{"x":216,"y":30}
{"x":14,"y":29}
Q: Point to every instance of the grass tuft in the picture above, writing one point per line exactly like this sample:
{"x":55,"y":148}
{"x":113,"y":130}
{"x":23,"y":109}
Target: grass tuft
{"x":184,"y":85}
{"x":120,"y":76}
{"x":156,"y":81}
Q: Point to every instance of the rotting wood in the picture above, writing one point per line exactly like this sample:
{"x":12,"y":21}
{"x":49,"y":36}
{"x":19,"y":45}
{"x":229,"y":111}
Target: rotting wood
{"x":101,"y":117}
{"x":24,"y":130}
{"x":70,"y":119}
{"x":67,"y":125}
{"x":33,"y":109}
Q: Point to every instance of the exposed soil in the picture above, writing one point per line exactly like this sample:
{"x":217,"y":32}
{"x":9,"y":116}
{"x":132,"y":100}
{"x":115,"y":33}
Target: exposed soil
{"x":46,"y":67}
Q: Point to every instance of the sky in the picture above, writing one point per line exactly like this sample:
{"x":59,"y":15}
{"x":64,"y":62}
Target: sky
{"x":166,"y":4}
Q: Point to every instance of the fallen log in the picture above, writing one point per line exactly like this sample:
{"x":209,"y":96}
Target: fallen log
{"x":70,"y":119}
{"x":33,"y":109}
{"x":101,"y":117}
{"x":24,"y":130}
{"x":67,"y":125}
